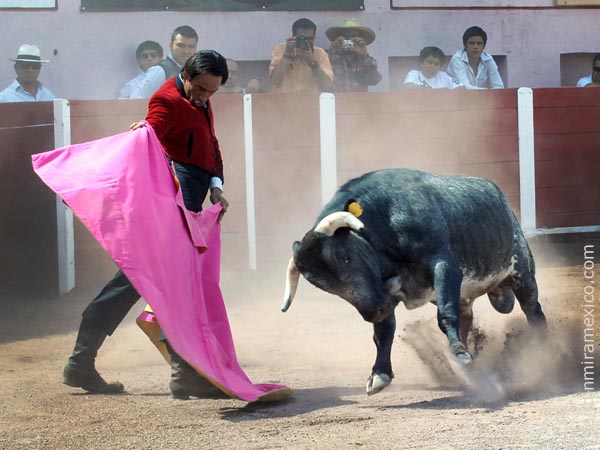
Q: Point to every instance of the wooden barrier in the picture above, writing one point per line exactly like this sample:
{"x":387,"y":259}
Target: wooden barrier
{"x":470,"y":133}
{"x":567,"y":156}
{"x":229,"y":120}
{"x":447,"y":132}
{"x":28,"y":241}
{"x":286,"y":170}
{"x":91,"y":120}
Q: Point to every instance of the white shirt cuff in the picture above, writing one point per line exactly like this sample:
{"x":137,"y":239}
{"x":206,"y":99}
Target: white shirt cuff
{"x":216,"y":182}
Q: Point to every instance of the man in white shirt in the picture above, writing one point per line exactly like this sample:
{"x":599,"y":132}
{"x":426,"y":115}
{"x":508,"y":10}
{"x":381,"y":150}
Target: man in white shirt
{"x":592,"y":80}
{"x":148,"y":54}
{"x":26,"y":87}
{"x":472,"y":66}
{"x":184,"y":41}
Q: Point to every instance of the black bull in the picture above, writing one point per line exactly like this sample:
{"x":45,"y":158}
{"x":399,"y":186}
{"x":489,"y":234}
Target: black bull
{"x":402,"y":235}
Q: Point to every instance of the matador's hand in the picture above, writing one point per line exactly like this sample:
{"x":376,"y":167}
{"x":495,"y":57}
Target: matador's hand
{"x":216,"y":196}
{"x":135,"y":125}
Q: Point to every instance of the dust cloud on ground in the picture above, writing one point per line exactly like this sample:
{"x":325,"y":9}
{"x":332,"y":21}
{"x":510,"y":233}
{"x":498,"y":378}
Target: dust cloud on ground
{"x":322,"y":349}
{"x":521,"y":392}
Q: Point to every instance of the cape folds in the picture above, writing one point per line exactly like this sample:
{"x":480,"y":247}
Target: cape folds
{"x":122,"y":188}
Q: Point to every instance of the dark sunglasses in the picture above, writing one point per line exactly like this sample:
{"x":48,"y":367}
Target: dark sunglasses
{"x":596,"y":69}
{"x":148,"y":55}
{"x":29,"y":65}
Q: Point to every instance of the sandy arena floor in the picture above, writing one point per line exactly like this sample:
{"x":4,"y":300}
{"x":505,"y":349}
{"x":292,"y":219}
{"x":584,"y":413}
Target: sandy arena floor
{"x":521,"y":393}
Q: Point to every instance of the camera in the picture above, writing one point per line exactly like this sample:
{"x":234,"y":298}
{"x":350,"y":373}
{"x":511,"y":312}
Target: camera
{"x":347,"y":43}
{"x":302,"y":43}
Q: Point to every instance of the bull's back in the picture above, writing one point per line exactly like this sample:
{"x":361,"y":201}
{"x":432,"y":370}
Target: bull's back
{"x":468,"y":215}
{"x":480,"y":222}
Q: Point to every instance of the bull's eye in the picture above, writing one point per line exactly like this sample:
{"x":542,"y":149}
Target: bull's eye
{"x":346,"y":260}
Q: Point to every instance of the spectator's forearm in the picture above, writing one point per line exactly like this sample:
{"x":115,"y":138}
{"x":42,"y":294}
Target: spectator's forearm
{"x":325,"y":84}
{"x":281,"y":70}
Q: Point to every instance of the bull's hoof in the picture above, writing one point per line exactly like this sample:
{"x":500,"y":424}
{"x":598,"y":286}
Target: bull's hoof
{"x":462,"y":355}
{"x":377,"y":382}
{"x":464,"y":358}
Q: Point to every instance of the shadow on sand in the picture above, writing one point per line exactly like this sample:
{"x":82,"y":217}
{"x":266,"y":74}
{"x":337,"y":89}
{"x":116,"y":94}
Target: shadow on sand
{"x":303,"y":401}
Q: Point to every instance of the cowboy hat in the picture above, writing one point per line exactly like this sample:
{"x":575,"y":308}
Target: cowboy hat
{"x":29,"y":53}
{"x":365,"y":33}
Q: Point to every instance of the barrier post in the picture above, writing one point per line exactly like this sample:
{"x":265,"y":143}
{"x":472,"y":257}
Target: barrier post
{"x":526,"y":160}
{"x":64,"y":216}
{"x":249,"y":172}
{"x":328,"y":147}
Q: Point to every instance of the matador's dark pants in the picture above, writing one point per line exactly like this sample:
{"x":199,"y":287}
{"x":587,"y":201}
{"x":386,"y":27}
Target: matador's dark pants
{"x":108,"y":309}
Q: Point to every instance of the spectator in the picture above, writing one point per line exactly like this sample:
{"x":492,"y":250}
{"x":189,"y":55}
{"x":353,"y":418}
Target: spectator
{"x":472,"y":66}
{"x":592,"y":80}
{"x":181,"y":115}
{"x":430,"y":75}
{"x":297,"y":65}
{"x":148,"y":54}
{"x":353,"y":69}
{"x":234,"y":84}
{"x":184,"y":41}
{"x":26,"y":87}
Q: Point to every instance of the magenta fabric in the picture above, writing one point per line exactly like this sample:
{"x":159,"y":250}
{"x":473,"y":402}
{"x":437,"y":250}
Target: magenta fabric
{"x":121,"y":187}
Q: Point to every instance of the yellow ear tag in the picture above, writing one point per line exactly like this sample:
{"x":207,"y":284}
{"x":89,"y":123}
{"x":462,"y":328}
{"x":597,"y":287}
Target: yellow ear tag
{"x":355,"y":209}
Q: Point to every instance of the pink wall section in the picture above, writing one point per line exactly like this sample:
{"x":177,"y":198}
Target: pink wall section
{"x":95,"y":51}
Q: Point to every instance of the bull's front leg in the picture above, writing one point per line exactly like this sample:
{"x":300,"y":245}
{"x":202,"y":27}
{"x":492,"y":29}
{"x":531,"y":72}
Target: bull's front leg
{"x":447,"y":278}
{"x":383,"y":336}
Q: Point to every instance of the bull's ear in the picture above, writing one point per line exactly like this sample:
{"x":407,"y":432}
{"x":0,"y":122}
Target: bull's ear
{"x":353,"y":207}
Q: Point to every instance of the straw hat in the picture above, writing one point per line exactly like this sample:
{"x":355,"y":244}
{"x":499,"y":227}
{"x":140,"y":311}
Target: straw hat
{"x":29,"y":53}
{"x":365,"y":33}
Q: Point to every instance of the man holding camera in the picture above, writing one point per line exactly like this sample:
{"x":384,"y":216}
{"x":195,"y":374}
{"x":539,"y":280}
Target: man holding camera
{"x":353,"y":69}
{"x":297,"y":65}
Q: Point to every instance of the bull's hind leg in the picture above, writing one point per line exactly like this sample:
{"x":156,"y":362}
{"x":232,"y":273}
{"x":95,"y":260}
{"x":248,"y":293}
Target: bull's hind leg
{"x":524,"y":285}
{"x":526,"y":291}
{"x":447,"y":278}
{"x":383,"y":336}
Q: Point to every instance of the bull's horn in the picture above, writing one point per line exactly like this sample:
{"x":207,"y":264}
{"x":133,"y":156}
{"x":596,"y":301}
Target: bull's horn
{"x":328,"y":225}
{"x":291,"y":284}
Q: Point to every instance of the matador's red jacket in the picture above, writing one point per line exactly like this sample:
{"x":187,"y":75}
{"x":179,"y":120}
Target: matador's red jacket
{"x":186,"y":133}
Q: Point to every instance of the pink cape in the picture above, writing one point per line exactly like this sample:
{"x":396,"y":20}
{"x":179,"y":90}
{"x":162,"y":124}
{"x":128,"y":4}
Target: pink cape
{"x":122,"y":188}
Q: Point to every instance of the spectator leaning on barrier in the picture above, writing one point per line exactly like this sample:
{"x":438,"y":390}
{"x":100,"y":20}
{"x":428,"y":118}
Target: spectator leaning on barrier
{"x":592,"y":80}
{"x":353,"y":69}
{"x":184,"y":41}
{"x":148,"y":54}
{"x":26,"y":87}
{"x":472,"y":66}
{"x":234,"y":84}
{"x":430,"y":75}
{"x":297,"y":65}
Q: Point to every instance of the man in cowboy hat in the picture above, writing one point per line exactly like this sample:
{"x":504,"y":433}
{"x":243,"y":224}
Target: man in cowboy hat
{"x":26,"y":87}
{"x":353,"y":68}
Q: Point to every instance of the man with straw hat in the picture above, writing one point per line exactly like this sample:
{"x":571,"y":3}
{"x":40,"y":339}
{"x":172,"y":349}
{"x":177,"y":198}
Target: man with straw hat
{"x":353,"y":69}
{"x":26,"y":87}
